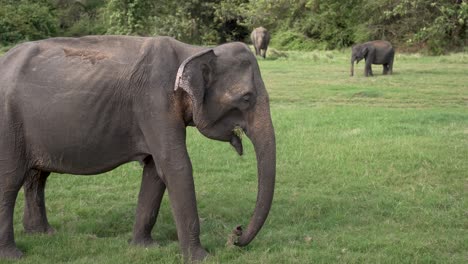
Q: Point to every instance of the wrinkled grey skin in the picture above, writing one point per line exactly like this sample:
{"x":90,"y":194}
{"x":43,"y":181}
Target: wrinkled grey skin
{"x":373,"y":52}
{"x":260,"y":40}
{"x":88,"y":105}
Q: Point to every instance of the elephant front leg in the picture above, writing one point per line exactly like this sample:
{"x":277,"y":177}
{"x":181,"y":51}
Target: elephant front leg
{"x":11,"y":180}
{"x":368,"y":70}
{"x":149,"y":200}
{"x":180,"y":185}
{"x":35,"y":216}
{"x":169,"y":151}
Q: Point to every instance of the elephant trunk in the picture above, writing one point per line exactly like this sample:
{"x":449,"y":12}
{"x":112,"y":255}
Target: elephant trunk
{"x":261,"y":132}
{"x":352,"y":66}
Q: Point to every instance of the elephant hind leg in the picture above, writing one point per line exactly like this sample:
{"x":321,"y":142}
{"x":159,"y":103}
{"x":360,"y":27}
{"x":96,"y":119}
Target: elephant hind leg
{"x":149,"y":200}
{"x":35,"y":216}
{"x":264,"y":53}
{"x":385,"y":69}
{"x":11,"y":179}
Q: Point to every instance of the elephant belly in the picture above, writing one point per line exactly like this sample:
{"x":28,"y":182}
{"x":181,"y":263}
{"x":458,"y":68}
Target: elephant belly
{"x":383,"y":58}
{"x":85,"y":157}
{"x":77,"y":162}
{"x":72,"y":136}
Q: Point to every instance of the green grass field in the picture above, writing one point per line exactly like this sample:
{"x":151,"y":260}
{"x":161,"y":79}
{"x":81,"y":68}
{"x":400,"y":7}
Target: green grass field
{"x":370,"y":170}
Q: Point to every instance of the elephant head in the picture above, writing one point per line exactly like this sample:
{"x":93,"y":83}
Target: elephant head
{"x":227,"y":93}
{"x":358,"y":53}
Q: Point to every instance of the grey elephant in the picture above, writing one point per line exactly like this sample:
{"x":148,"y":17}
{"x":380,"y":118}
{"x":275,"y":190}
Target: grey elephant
{"x":373,"y":52}
{"x":260,"y":39}
{"x":87,"y":105}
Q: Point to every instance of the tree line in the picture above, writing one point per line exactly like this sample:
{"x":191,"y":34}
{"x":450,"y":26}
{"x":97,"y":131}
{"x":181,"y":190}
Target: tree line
{"x":434,"y":26}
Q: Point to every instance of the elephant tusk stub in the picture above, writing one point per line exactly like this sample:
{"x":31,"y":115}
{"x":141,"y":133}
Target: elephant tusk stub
{"x":236,"y":140}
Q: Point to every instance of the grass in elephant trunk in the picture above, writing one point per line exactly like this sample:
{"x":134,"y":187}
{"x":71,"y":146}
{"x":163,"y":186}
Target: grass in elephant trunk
{"x":369,"y":170}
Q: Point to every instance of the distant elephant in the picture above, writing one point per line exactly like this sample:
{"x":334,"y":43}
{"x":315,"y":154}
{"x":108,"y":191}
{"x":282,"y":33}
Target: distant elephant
{"x":260,"y":40}
{"x":87,"y":105}
{"x":374,"y":52}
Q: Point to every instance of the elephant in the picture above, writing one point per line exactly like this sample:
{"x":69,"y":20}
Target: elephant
{"x":87,"y":105}
{"x":260,"y":39}
{"x":374,"y":52}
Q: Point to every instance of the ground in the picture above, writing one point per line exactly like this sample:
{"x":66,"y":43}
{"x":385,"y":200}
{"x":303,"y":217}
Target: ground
{"x":370,"y":170}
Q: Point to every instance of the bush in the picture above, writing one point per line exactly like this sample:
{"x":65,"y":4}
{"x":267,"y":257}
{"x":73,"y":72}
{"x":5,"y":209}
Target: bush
{"x":361,"y":34}
{"x":288,"y":40}
{"x":23,"y":21}
{"x":85,"y":26}
{"x":132,"y":17}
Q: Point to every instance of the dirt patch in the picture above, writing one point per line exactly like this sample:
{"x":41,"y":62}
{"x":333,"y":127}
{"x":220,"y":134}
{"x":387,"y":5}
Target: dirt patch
{"x":86,"y":55}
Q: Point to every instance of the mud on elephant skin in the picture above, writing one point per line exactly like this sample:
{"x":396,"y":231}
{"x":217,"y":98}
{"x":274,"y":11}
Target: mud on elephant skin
{"x":373,"y":52}
{"x":87,"y":105}
{"x":260,"y":38}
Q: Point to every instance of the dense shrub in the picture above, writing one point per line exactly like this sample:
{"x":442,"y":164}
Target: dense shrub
{"x":436,"y":26}
{"x":130,"y":17}
{"x":288,"y":40}
{"x":26,"y":20}
{"x":86,"y":26}
{"x":202,"y":22}
{"x":80,"y":17}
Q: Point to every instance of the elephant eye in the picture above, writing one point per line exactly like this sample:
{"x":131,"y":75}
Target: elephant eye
{"x":246,"y":100}
{"x":246,"y":97}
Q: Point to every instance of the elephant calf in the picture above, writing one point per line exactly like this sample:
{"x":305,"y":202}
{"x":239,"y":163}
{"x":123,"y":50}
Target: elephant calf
{"x":373,"y":52}
{"x":260,"y":39}
{"x":87,"y":105}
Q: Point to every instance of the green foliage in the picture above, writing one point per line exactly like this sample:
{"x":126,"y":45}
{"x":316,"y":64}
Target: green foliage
{"x":130,"y":17}
{"x":81,"y":17}
{"x":230,"y":20}
{"x":448,"y":29}
{"x":438,"y":25}
{"x":325,"y":23}
{"x":202,"y":22}
{"x":86,"y":25}
{"x":188,"y":21}
{"x":435,"y":26}
{"x":26,"y":20}
{"x":289,"y":40}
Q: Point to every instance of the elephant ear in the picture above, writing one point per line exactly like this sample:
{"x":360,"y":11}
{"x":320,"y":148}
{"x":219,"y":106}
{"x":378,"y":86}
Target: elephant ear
{"x":194,"y":75}
{"x":364,"y":51}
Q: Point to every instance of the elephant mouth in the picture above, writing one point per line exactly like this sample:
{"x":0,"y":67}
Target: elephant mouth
{"x":236,"y":140}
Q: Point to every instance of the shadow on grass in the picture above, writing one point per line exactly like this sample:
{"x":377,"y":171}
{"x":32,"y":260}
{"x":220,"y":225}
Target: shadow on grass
{"x":368,"y":94}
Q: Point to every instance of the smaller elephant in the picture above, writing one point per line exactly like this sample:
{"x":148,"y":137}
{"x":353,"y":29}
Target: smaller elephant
{"x":373,"y":52}
{"x":260,"y":40}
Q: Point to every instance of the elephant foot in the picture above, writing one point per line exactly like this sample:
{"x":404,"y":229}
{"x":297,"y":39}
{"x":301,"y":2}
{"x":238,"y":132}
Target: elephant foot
{"x":144,"y":242}
{"x":198,"y":255}
{"x":10,"y":252}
